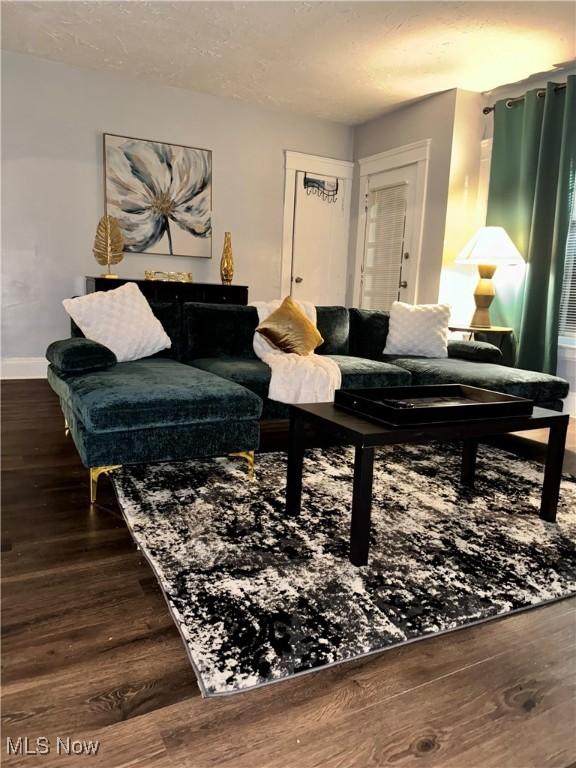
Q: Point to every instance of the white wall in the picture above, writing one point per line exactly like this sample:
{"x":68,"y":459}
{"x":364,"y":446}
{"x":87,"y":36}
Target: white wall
{"x":463,"y":214}
{"x":431,"y":118}
{"x":53,"y":117}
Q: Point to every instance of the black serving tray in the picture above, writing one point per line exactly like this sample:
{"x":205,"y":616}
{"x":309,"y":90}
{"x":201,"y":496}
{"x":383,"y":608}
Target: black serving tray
{"x":404,"y":406}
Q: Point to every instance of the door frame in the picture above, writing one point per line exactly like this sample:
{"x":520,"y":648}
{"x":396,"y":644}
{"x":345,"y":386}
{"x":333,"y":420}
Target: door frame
{"x":294,"y":162}
{"x":417,"y":153}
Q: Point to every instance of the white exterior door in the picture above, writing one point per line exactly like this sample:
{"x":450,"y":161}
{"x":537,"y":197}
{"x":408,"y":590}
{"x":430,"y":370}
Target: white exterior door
{"x":388,"y":267}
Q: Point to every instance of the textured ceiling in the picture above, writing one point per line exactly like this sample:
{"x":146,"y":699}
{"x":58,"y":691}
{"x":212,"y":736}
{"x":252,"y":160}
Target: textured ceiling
{"x":344,"y":61}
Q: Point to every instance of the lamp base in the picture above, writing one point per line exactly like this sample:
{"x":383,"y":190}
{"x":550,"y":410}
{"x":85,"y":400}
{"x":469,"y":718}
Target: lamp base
{"x":481,"y":319}
{"x":483,"y":296}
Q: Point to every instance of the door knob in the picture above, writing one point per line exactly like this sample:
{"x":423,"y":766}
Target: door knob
{"x":297,"y":279}
{"x":403,"y":284}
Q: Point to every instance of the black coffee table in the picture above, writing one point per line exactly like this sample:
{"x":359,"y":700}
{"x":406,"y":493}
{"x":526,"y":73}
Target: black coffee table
{"x":348,"y":429}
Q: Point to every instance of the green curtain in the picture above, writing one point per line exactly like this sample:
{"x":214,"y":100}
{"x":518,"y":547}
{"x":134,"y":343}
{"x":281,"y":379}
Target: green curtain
{"x":532,"y":182}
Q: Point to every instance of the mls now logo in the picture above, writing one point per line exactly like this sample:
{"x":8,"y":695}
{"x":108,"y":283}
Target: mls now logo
{"x":42,"y":745}
{"x":25,"y":746}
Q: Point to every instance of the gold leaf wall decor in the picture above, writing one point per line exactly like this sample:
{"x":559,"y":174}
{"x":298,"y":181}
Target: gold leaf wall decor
{"x":108,"y":243}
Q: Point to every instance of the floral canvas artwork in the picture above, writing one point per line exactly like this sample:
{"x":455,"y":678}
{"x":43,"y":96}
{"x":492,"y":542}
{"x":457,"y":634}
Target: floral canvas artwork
{"x":161,"y":195}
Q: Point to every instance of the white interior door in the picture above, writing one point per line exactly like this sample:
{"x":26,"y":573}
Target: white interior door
{"x":388,"y":270}
{"x":316,"y":228}
{"x":320,"y":245}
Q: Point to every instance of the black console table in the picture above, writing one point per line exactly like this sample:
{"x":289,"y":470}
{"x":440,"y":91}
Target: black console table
{"x":171,"y":290}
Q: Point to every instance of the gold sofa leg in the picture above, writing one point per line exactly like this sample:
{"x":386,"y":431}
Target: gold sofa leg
{"x":250,"y":458}
{"x":95,"y":473}
{"x":66,"y":428}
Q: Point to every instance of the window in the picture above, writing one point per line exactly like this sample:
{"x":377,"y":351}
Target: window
{"x":382,"y":269}
{"x":567,"y":328}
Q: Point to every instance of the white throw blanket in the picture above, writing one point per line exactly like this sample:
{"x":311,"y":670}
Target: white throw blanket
{"x":296,"y":378}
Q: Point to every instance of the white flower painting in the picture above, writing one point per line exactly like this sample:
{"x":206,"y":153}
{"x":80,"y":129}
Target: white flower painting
{"x":161,"y":195}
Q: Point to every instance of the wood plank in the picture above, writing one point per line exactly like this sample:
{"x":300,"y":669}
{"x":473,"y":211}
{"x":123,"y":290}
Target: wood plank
{"x":256,"y":719}
{"x":131,"y":677}
{"x":458,"y":717}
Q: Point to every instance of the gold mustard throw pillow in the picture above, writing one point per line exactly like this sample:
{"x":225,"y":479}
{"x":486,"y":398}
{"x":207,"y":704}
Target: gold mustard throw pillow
{"x":289,"y":330}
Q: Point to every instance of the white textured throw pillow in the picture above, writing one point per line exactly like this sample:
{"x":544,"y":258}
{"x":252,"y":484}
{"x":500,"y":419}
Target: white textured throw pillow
{"x":418,"y":329}
{"x":120,"y":319}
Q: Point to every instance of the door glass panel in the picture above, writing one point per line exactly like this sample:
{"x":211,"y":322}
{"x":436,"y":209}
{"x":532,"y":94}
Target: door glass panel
{"x":384,"y":246}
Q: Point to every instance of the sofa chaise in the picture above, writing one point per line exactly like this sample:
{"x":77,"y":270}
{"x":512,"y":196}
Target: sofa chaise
{"x":206,"y":395}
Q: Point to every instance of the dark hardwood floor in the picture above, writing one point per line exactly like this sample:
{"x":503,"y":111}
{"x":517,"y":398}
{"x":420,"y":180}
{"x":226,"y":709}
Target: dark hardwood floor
{"x":90,"y":652}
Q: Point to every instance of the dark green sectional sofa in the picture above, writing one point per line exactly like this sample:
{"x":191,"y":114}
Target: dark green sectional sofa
{"x":206,"y":395}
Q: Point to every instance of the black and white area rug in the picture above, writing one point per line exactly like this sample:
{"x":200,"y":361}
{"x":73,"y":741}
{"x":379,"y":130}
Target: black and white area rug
{"x":259,"y":597}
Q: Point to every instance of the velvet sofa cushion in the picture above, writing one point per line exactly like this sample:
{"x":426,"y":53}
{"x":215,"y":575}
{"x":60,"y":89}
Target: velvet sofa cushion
{"x":480,"y":351}
{"x":539,"y":387}
{"x":334,"y":326}
{"x":170,"y":315}
{"x":368,"y":332}
{"x":152,"y":444}
{"x":80,"y":355}
{"x":250,"y":373}
{"x":153,"y":392}
{"x":218,"y":330}
{"x":356,"y":372}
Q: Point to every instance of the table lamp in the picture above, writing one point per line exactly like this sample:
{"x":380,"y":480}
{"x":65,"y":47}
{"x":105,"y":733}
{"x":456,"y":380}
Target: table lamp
{"x":489,"y":247}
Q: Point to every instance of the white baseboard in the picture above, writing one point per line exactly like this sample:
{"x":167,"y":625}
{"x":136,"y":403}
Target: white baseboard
{"x":24,"y":367}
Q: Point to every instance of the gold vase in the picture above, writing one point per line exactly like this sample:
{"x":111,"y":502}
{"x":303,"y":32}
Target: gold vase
{"x":227,"y":261}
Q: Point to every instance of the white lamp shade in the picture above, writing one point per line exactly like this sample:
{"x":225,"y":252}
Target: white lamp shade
{"x":490,"y":245}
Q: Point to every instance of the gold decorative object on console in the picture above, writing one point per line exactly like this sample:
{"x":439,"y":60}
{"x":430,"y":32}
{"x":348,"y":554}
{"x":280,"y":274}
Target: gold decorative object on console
{"x":227,"y":261}
{"x":108,"y":244}
{"x":168,"y":277}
